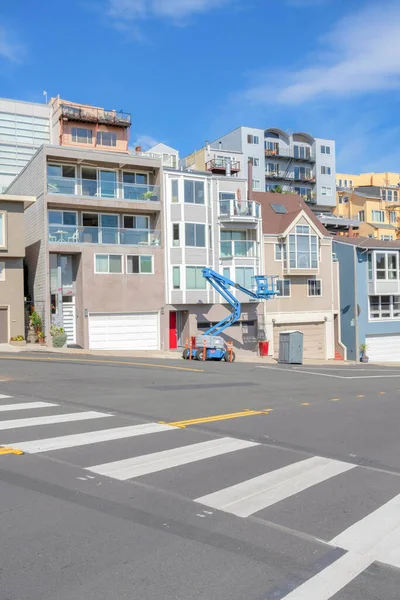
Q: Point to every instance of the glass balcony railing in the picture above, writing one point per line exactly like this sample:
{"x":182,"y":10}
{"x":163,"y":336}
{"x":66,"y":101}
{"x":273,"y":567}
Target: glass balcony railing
{"x":236,"y":209}
{"x":238,"y":248}
{"x":97,"y":188}
{"x":71,"y":234}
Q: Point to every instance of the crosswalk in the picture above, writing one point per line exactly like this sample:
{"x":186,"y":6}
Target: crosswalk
{"x":239,"y":477}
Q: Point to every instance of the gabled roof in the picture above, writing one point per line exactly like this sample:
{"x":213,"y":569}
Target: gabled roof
{"x":277,"y":224}
{"x":366,"y":242}
{"x":160,"y":147}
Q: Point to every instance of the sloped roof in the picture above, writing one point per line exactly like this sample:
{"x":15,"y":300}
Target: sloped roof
{"x":274,"y":223}
{"x":366,"y":242}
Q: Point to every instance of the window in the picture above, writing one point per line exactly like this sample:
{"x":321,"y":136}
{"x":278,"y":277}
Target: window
{"x":301,"y":152}
{"x":2,"y":271}
{"x":389,"y":196}
{"x":383,"y":194}
{"x":325,"y":170}
{"x":387,"y":238}
{"x":345,"y":183}
{"x":140,"y":264}
{"x":370,"y":269}
{"x":245,"y":277}
{"x":174,"y":190}
{"x":345,"y":199}
{"x":129,"y":177}
{"x":132,"y":222}
{"x":386,"y":265}
{"x":395,"y":195}
{"x":194,"y":192}
{"x":254,"y":161}
{"x":393,"y":217}
{"x":61,"y":171}
{"x":340,"y":200}
{"x":280,"y":251}
{"x":340,"y":183}
{"x":176,"y":278}
{"x":303,"y":248}
{"x":301,"y":173}
{"x":283,"y":287}
{"x":384,"y":307}
{"x":226,"y":272}
{"x":361,"y":216}
{"x":351,"y":183}
{"x":82,"y":136}
{"x":175,"y":234}
{"x":253,"y":139}
{"x":2,"y":230}
{"x":59,"y":217}
{"x":209,"y":236}
{"x":108,"y":263}
{"x":195,"y":235}
{"x":272,"y":168}
{"x":314,"y":287}
{"x":326,"y":191}
{"x":106,"y":138}
{"x":378,"y":216}
{"x":195,"y":279}
{"x":272,"y":148}
{"x":325,"y":149}
{"x":256,"y":184}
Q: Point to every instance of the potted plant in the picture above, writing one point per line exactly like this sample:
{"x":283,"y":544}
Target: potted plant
{"x":150,"y":196}
{"x":363,"y":353}
{"x":58,"y":336}
{"x":41,"y":337}
{"x":35,"y":325}
{"x":18,"y":340}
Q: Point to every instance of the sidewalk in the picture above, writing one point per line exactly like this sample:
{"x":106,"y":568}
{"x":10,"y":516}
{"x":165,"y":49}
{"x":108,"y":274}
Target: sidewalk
{"x":154,"y":354}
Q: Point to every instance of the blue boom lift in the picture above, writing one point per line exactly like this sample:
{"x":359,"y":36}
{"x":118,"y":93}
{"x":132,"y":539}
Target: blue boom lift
{"x":211,"y":340}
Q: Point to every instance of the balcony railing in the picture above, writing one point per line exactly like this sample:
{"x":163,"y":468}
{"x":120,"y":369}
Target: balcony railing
{"x":222,"y":164}
{"x":71,"y":234}
{"x":291,"y":176}
{"x":291,"y":153}
{"x":239,"y":209}
{"x":238,"y":248}
{"x":71,"y":186}
{"x":88,"y":114}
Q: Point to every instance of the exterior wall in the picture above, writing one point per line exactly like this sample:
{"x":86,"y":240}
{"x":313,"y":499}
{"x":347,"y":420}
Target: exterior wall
{"x":12,"y":294}
{"x":24,"y":127}
{"x":328,"y":160}
{"x":349,"y":298}
{"x":349,"y":181}
{"x":14,"y":228}
{"x":357,"y":203}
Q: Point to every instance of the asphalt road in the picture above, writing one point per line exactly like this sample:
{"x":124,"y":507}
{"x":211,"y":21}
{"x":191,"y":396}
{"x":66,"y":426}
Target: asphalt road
{"x":198,"y":481}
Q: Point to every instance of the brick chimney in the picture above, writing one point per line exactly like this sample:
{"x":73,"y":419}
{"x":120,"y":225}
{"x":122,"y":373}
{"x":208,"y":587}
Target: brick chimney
{"x":138,"y":149}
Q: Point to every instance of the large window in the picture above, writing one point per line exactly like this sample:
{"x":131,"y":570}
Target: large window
{"x":62,"y":217}
{"x":283,"y":287}
{"x":139,"y":264}
{"x":176,"y":278}
{"x":378,"y":216}
{"x":61,"y":179}
{"x":106,"y":138}
{"x":195,"y":279}
{"x":194,"y":191}
{"x":301,"y":151}
{"x":81,"y":135}
{"x":108,"y":263}
{"x":314,"y":287}
{"x":386,"y":265}
{"x":245,"y":277}
{"x":303,"y":248}
{"x":175,"y":190}
{"x":195,"y":235}
{"x":384,"y":307}
{"x":2,"y":230}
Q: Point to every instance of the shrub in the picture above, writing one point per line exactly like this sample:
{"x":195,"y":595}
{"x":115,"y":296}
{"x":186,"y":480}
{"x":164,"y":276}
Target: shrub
{"x":17,"y":338}
{"x":54,"y":330}
{"x":59,"y":340}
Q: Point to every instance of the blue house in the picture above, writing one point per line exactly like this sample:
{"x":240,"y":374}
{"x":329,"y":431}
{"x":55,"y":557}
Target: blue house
{"x":369,"y":275}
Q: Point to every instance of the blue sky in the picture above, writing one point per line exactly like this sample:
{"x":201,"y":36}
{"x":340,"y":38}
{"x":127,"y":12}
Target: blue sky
{"x":191,"y":70}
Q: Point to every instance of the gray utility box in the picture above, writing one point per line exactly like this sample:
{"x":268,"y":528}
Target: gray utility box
{"x":211,"y":341}
{"x":291,"y":347}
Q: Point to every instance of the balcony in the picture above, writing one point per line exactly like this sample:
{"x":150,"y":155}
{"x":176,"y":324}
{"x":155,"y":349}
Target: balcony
{"x":223,"y":166}
{"x":291,"y":176}
{"x":95,"y":188}
{"x":239,"y":210}
{"x":300,"y":154}
{"x":72,"y":234}
{"x":87,"y":114}
{"x":238,"y":249}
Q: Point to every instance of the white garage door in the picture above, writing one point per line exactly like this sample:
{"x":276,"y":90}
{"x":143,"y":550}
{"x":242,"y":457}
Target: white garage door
{"x":123,"y":331}
{"x":313,"y":341}
{"x":383,"y":347}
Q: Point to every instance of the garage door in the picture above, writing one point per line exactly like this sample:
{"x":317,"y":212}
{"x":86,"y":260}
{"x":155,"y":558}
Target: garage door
{"x":123,"y":331}
{"x":3,"y":326}
{"x":383,"y":347}
{"x":314,"y":338}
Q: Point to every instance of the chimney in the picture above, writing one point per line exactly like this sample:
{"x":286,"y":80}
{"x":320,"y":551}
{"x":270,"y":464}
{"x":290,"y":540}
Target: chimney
{"x":220,"y":145}
{"x":138,"y":149}
{"x":250,"y":181}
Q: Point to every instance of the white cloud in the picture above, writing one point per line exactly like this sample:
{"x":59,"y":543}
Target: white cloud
{"x":9,"y":48}
{"x":176,"y":10}
{"x":360,"y":54}
{"x":143,"y":140}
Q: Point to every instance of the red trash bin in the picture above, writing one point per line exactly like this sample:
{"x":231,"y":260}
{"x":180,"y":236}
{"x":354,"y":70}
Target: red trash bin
{"x":263,"y":348}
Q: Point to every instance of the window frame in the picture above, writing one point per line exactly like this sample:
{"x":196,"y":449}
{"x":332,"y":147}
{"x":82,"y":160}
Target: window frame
{"x":328,"y":190}
{"x":361,"y":216}
{"x":313,"y":287}
{"x":325,"y":149}
{"x":76,"y":141}
{"x":244,"y":268}
{"x":108,"y":254}
{"x":197,"y":268}
{"x":176,"y":269}
{"x":99,"y":135}
{"x":178,"y":227}
{"x":174,"y":198}
{"x":195,"y":225}
{"x":256,"y":189}
{"x":382,"y":212}
{"x":311,"y":235}
{"x":62,"y":211}
{"x":284,"y":281}
{"x":392,"y":310}
{"x":326,"y":170}
{"x":193,"y":182}
{"x":374,"y":255}
{"x":140,"y":272}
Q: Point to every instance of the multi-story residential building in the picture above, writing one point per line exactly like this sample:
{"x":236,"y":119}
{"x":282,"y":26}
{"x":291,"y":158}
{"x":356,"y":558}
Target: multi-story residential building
{"x":345,"y":181}
{"x":210,"y":222}
{"x":24,"y":127}
{"x":298,"y":250}
{"x":93,"y":241}
{"x":295,"y":163}
{"x":369,"y":296}
{"x":377,"y":209}
{"x":12,"y":252}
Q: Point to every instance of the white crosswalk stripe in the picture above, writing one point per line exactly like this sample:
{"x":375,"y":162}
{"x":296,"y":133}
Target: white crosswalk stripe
{"x":253,"y":495}
{"x":159,"y":461}
{"x":25,"y":406}
{"x":48,"y":420}
{"x":90,"y":437}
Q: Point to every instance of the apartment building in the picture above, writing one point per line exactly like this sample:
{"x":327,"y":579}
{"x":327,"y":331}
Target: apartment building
{"x":93,"y":238}
{"x":12,"y":252}
{"x":346,"y":181}
{"x":290,"y":163}
{"x":369,"y":296}
{"x":298,"y":250}
{"x":376,"y":208}
{"x":210,"y":222}
{"x":24,"y":127}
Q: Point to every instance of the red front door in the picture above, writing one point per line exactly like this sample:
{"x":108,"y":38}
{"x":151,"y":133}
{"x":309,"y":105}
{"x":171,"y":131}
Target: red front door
{"x":173,"y":338}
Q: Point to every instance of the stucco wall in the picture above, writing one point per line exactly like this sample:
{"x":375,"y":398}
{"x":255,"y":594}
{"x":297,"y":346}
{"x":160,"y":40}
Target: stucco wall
{"x":348,"y":299}
{"x":12,"y":294}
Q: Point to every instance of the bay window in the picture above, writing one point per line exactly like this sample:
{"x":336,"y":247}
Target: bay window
{"x":303,"y":249}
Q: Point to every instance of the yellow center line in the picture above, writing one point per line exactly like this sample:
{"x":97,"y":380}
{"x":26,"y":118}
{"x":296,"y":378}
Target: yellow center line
{"x":305,"y":404}
{"x":10,"y":451}
{"x":245,"y":413}
{"x":112,"y":362}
